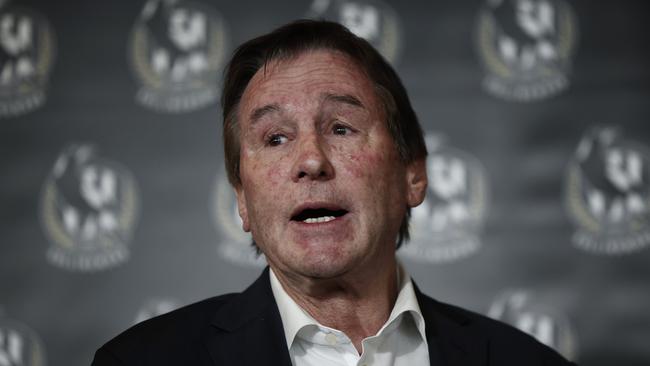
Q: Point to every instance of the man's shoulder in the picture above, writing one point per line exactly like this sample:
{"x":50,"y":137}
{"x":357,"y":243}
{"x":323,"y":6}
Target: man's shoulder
{"x":506,"y":342}
{"x":186,"y":320}
{"x":183,"y":328}
{"x":479,"y":323}
{"x":184,"y":336}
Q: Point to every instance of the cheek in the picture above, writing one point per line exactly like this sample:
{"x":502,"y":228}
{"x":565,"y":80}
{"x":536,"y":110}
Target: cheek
{"x":259,"y":171}
{"x":359,"y":164}
{"x":265,"y":177}
{"x":368,"y":165}
{"x":260,"y":180}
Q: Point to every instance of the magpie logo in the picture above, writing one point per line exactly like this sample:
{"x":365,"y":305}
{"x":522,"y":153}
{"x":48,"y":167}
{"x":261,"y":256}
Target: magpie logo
{"x":20,"y":345}
{"x":371,"y":20}
{"x":235,"y":244}
{"x":528,"y":312}
{"x":448,"y":224}
{"x":526,"y":47}
{"x":26,"y":58}
{"x":89,"y":208}
{"x":177,"y":52}
{"x":607,"y":193}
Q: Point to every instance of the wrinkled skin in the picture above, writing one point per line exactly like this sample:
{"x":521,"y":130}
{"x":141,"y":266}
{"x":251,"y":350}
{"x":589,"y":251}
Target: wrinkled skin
{"x":313,"y":134}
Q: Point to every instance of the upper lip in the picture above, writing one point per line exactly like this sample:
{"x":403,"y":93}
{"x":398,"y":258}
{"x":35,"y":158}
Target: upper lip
{"x":330,"y":206}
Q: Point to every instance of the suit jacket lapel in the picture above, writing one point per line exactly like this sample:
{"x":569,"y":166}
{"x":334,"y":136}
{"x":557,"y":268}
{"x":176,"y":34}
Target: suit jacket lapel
{"x":247,"y":330}
{"x":451,"y":338}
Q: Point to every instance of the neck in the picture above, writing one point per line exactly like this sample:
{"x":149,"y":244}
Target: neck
{"x":358,"y":302}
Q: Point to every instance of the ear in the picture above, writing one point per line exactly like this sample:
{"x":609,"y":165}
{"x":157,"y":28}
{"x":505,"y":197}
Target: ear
{"x":241,"y":205}
{"x":416,"y":182}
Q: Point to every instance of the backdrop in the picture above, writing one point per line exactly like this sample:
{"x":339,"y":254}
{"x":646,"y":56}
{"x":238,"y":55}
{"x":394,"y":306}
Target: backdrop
{"x":115,"y":208}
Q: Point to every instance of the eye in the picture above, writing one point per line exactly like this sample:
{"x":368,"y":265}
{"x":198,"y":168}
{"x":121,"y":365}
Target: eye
{"x":341,"y":130}
{"x":276,"y":139}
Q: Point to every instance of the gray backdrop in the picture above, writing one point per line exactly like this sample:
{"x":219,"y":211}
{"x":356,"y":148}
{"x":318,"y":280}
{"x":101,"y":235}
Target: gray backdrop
{"x":114,"y":206}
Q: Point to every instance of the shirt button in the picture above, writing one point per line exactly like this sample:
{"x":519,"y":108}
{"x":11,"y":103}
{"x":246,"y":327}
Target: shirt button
{"x":331,"y":339}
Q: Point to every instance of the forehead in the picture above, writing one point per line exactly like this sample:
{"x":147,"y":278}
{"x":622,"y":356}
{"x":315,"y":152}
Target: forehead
{"x":305,"y":78}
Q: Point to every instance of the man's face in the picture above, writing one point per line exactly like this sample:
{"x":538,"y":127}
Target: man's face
{"x":323,"y":189}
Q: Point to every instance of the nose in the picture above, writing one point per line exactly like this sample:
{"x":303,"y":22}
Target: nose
{"x":312,"y":162}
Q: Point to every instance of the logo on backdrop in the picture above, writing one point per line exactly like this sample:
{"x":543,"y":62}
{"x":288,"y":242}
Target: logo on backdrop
{"x":447,"y":225}
{"x":372,"y":20}
{"x":177,"y":51}
{"x":155,"y":307}
{"x":607,"y":193}
{"x":89,"y":207}
{"x":19,"y":345}
{"x":26,"y":58}
{"x":235,"y":244}
{"x":526,"y":47}
{"x":527,"y":312}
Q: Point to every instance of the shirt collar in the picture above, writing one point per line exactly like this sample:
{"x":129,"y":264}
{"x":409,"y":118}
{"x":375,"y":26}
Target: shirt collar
{"x":294,"y":318}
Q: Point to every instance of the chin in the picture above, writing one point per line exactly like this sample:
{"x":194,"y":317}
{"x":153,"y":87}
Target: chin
{"x":317,"y":257}
{"x":324,"y":265}
{"x":323,"y":272}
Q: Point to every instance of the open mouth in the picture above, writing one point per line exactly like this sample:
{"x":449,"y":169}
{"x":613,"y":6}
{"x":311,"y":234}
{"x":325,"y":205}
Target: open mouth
{"x":318,"y":215}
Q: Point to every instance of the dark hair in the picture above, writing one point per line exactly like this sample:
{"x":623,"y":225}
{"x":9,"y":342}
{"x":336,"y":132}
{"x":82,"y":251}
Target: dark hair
{"x":302,"y":36}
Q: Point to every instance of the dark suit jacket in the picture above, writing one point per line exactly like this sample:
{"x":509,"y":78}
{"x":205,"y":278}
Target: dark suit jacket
{"x":246,"y":329}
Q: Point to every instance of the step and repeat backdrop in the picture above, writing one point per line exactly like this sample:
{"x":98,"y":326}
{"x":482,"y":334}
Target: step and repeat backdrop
{"x":114,"y":205}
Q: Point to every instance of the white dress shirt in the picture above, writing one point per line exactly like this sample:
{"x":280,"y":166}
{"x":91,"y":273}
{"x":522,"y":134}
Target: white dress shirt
{"x":401,"y":341}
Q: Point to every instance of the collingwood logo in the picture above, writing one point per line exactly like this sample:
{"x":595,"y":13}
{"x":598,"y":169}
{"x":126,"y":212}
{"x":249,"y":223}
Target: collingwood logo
{"x":447,"y":225}
{"x":526,"y":47}
{"x":235,"y":245}
{"x":523,"y":310}
{"x":155,"y":307}
{"x":177,"y":51}
{"x":372,"y":20}
{"x":26,"y":57}
{"x":607,"y":193}
{"x":19,"y":345}
{"x":89,"y":207}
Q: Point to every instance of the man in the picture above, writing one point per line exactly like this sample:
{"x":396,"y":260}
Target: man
{"x":326,"y":157}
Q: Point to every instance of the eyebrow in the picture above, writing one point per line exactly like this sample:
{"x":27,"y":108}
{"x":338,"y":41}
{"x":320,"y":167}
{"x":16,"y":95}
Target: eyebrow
{"x":345,"y":99}
{"x":258,"y":113}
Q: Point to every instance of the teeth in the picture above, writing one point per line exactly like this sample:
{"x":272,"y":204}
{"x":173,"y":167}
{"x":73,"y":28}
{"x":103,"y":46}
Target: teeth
{"x":319,"y":219}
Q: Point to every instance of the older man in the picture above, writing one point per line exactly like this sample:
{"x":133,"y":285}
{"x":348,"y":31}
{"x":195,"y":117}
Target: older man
{"x":326,"y":157}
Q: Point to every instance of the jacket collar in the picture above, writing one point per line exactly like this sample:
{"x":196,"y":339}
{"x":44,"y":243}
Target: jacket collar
{"x":452,"y":337}
{"x":248,"y":331}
